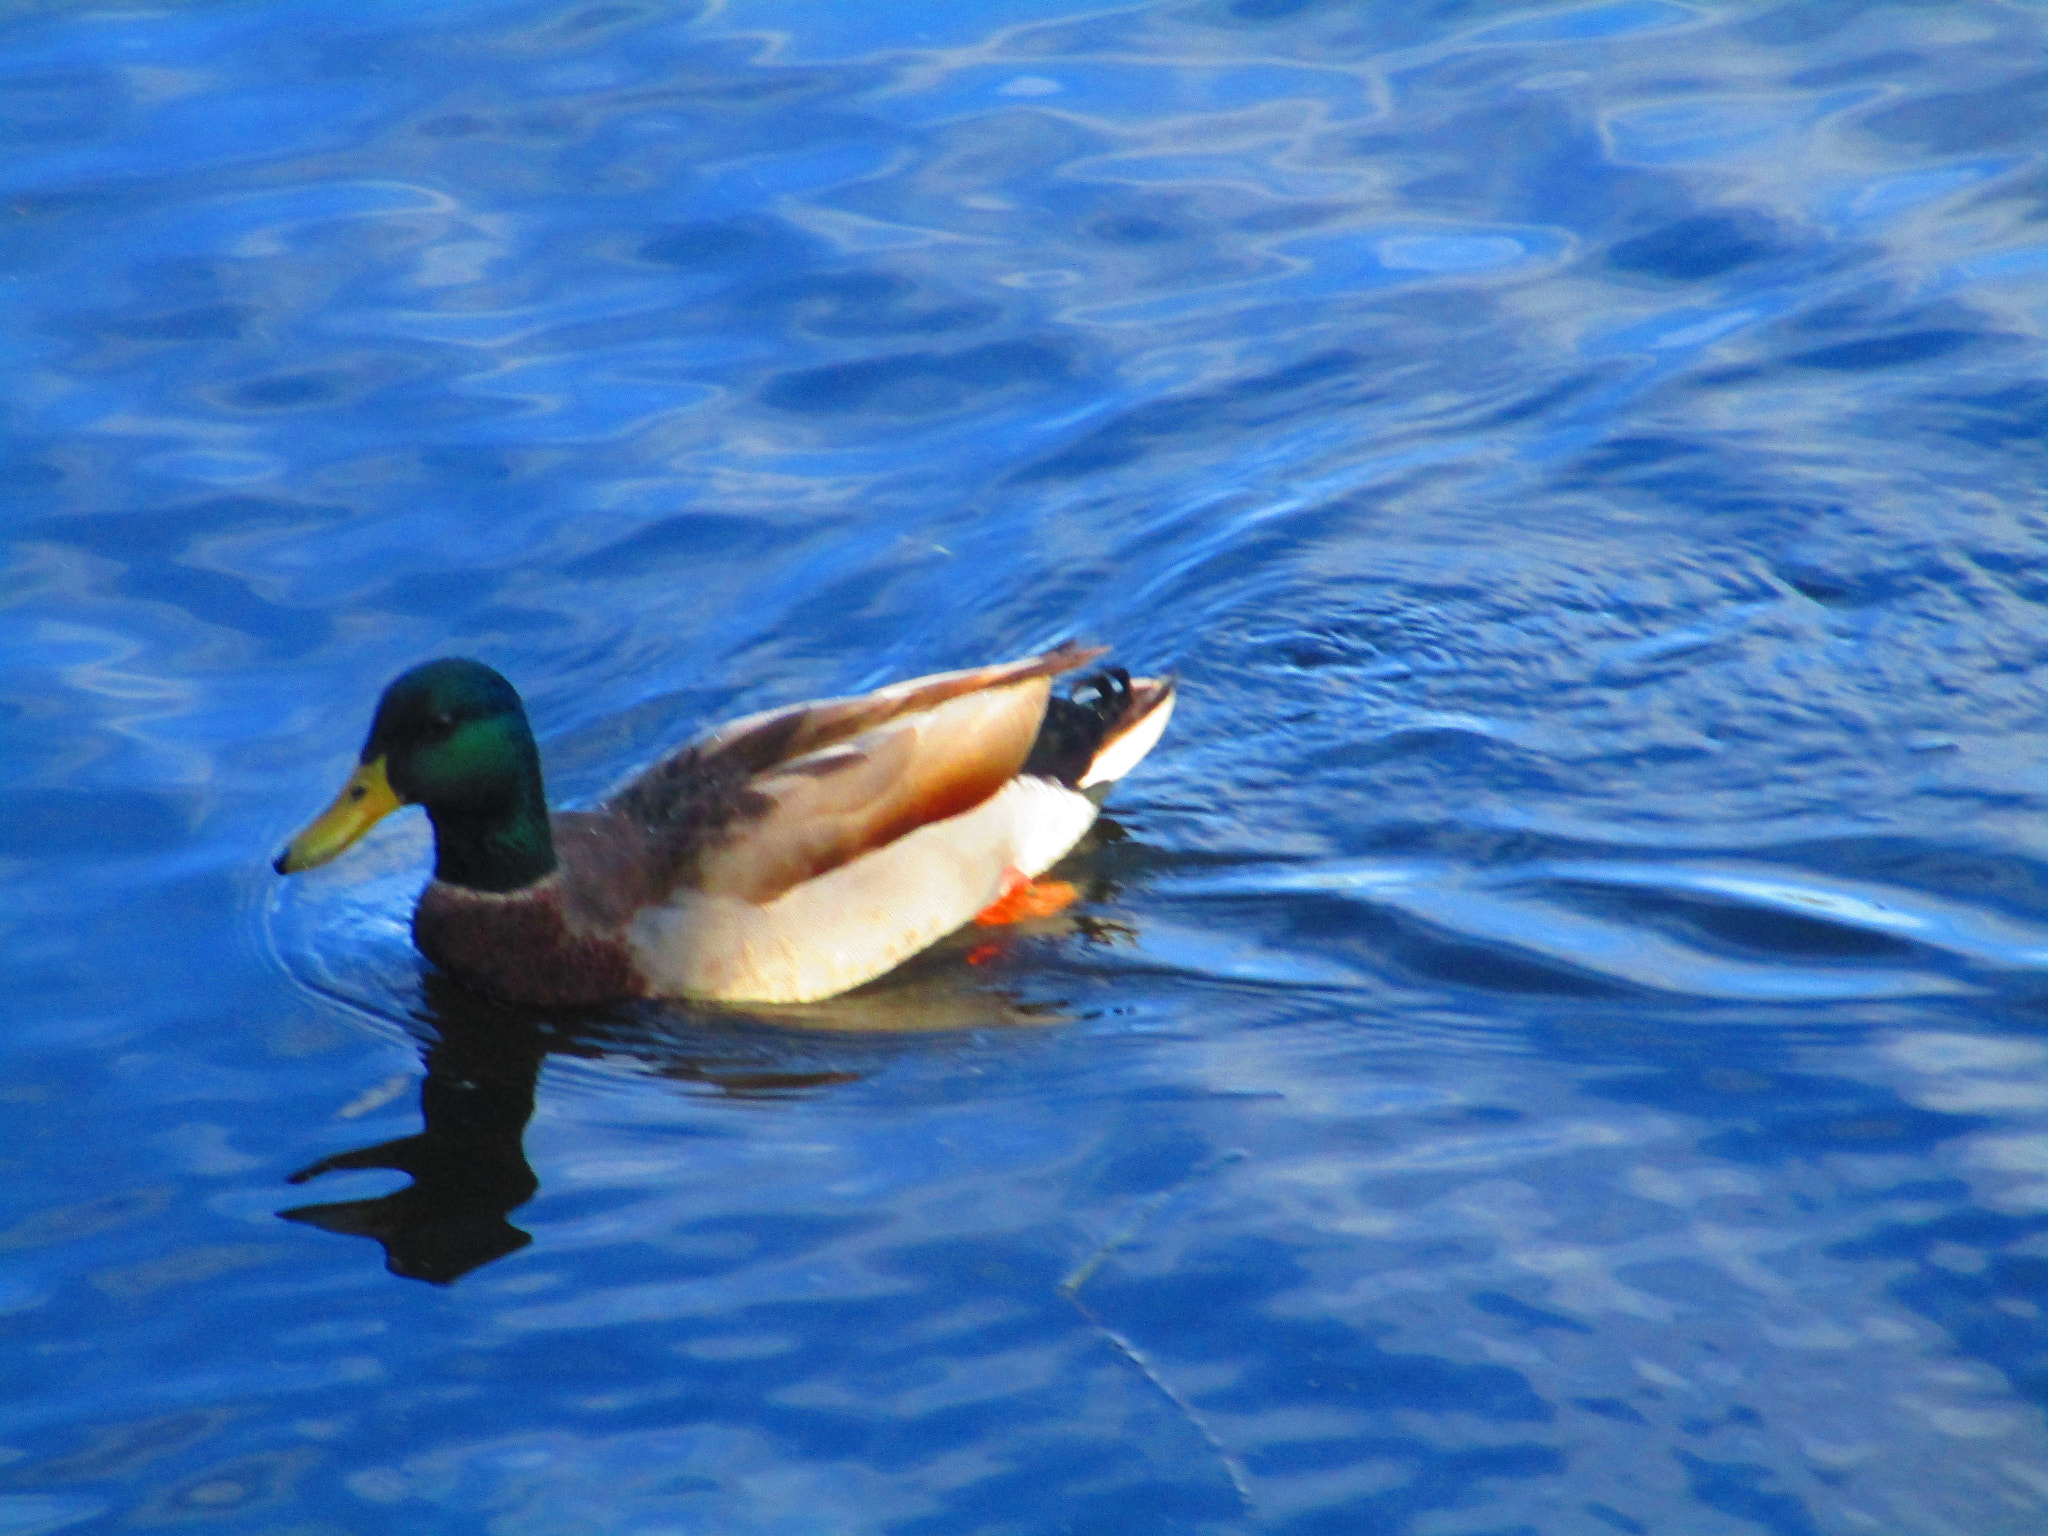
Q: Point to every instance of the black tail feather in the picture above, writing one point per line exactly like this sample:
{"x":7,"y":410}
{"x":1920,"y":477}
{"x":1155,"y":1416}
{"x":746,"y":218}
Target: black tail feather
{"x":1076,"y":727}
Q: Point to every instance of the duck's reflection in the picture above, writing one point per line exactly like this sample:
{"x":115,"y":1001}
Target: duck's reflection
{"x":468,"y":1166}
{"x":468,"y":1163}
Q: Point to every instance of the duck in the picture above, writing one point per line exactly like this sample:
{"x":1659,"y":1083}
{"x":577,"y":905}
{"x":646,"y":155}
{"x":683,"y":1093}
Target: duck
{"x":785,"y":857}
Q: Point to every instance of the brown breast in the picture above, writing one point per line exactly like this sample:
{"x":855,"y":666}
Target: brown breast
{"x":522,"y":948}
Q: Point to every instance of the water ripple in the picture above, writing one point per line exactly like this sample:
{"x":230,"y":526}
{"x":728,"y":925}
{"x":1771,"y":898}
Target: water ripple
{"x":1552,"y":1036}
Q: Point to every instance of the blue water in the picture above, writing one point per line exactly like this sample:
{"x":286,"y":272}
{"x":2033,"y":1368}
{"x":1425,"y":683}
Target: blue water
{"x":1557,"y":1041}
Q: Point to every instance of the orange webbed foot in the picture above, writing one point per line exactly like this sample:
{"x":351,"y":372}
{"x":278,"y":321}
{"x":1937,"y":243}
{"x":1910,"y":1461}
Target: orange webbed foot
{"x":1024,"y":898}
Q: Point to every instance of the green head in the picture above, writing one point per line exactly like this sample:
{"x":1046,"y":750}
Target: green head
{"x":450,"y":736}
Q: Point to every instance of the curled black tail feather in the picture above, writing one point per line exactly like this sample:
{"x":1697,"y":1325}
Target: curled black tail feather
{"x":1075,"y":727}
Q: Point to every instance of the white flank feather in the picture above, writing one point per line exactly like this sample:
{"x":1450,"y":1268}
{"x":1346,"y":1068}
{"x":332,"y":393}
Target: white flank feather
{"x":855,"y":922}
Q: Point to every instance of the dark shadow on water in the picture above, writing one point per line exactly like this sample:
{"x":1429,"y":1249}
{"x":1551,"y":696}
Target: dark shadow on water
{"x":468,"y":1165}
{"x":468,"y":1162}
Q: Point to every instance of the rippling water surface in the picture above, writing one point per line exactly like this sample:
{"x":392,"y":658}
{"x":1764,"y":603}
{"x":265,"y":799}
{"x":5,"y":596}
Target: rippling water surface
{"x":1555,"y":1042}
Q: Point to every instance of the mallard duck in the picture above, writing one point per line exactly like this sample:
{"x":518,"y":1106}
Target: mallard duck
{"x":783,"y":858}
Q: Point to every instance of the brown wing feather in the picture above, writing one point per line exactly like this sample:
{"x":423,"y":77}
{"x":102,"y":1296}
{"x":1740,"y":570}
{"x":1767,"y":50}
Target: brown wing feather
{"x":778,"y":735}
{"x":767,"y":801}
{"x":688,"y":798}
{"x":826,"y":808}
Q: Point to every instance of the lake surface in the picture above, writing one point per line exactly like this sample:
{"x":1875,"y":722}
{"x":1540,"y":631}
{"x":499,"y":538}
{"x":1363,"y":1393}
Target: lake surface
{"x":1557,"y":1039}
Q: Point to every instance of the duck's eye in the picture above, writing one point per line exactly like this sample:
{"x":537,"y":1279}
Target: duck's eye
{"x":440,"y":723}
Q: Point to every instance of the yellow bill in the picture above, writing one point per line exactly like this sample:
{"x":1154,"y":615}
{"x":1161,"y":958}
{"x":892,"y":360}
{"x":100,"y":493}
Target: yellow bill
{"x":364,"y":801}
